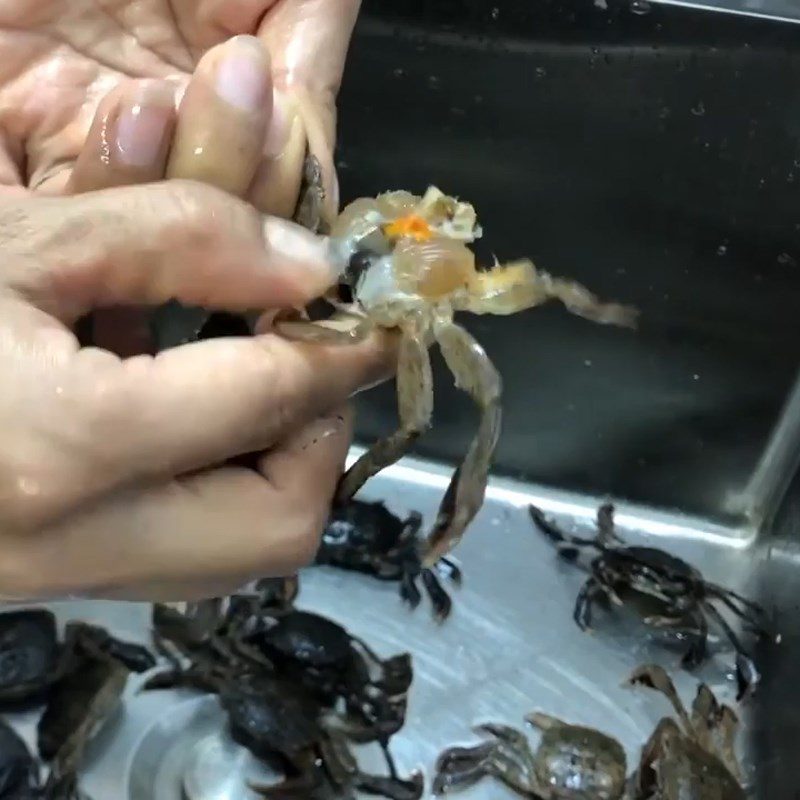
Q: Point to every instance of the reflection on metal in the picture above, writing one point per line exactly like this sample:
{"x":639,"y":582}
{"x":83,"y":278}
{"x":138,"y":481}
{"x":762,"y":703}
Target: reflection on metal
{"x":784,"y":10}
{"x":515,"y":494}
{"x":776,"y":467}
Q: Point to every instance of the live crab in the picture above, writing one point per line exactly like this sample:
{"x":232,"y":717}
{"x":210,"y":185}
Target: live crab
{"x":407,"y":266}
{"x":666,"y":591}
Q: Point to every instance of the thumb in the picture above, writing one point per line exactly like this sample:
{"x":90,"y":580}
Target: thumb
{"x":151,"y":243}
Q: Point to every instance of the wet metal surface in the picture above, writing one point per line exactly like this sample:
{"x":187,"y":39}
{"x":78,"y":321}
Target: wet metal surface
{"x":510,"y":646}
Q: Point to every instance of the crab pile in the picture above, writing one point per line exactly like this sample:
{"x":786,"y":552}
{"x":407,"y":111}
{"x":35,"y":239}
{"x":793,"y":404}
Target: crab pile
{"x":78,"y":681}
{"x":297,"y":688}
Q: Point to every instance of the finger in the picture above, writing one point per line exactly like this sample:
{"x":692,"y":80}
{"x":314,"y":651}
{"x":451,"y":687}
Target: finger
{"x":223,"y":117}
{"x":149,"y":244}
{"x":127,"y":143}
{"x":129,"y":138}
{"x":147,"y":419}
{"x":276,"y":185}
{"x":308,"y":41}
{"x":210,"y":531}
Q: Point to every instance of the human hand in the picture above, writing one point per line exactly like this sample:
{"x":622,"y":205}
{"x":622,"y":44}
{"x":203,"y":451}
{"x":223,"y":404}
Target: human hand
{"x":58,"y":60}
{"x":113,"y":474}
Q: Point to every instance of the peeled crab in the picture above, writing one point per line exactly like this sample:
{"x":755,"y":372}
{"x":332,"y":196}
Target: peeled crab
{"x":407,"y":265}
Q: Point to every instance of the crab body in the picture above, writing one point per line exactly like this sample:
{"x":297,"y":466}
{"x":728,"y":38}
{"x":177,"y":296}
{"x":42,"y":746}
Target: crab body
{"x":572,"y":762}
{"x":406,"y":263}
{"x":368,"y":538}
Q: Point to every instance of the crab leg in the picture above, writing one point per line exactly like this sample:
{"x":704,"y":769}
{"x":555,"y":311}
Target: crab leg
{"x":696,"y":653}
{"x":586,"y":598}
{"x":746,"y":673}
{"x":655,"y":677}
{"x":475,"y":374}
{"x":567,"y":544}
{"x":301,"y":330}
{"x":415,"y":402}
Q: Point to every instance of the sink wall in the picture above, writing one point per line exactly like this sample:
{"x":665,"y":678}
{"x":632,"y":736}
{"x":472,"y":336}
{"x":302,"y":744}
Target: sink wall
{"x":653,"y":156}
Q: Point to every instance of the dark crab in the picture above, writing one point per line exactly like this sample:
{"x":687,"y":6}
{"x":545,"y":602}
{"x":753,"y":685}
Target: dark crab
{"x":19,"y":771}
{"x":572,"y":762}
{"x":666,"y":590}
{"x":87,"y":692}
{"x":693,"y":760}
{"x":264,"y":634}
{"x":32,"y":659}
{"x":280,"y":721}
{"x":368,"y":538}
{"x":29,"y":654}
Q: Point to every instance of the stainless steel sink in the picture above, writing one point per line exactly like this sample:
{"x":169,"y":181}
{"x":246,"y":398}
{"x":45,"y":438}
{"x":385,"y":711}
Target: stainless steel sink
{"x":651,"y":151}
{"x":510,"y":646}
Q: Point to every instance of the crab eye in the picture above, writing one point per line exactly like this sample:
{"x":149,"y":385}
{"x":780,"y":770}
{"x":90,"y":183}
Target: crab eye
{"x":337,"y":532}
{"x":358,"y":264}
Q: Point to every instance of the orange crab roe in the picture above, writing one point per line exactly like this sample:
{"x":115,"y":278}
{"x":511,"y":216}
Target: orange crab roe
{"x":411,"y":226}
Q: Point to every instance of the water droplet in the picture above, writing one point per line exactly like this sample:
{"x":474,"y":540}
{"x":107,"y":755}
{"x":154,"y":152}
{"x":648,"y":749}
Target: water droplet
{"x":587,"y":362}
{"x":495,"y":12}
{"x":459,"y":112}
{"x":433,"y":81}
{"x":601,"y":4}
{"x":478,"y":98}
{"x":699,"y":110}
{"x":723,"y":248}
{"x":541,"y":72}
{"x":398,"y":72}
{"x":640,"y":7}
{"x":663,"y":112}
{"x":595,"y":50}
{"x":786,"y":260}
{"x":695,"y":377}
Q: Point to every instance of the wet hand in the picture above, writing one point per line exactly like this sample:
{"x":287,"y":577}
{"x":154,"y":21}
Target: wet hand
{"x":59,"y":61}
{"x":113,"y":473}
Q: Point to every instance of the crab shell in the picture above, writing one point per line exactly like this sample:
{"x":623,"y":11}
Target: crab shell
{"x":578,"y":763}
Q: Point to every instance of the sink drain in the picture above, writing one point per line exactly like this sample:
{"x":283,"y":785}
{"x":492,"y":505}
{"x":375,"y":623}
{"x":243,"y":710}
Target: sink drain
{"x":189,"y":755}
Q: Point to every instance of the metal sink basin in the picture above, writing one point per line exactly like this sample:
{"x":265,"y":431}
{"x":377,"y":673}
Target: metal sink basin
{"x":510,"y":646}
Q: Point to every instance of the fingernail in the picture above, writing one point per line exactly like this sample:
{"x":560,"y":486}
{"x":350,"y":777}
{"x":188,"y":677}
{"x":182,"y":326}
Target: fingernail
{"x":144,"y":116}
{"x":243,"y":77}
{"x":298,"y":248}
{"x":320,"y":429}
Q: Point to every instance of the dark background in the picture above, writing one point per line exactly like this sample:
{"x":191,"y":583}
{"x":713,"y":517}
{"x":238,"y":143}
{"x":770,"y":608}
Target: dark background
{"x":654,"y":157}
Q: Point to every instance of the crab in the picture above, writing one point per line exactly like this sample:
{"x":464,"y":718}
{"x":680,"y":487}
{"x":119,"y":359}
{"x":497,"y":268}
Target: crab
{"x":265,"y":632}
{"x":80,"y":704}
{"x":367,"y":537}
{"x":405,"y":263}
{"x":693,"y":760}
{"x":32,"y":659}
{"x":19,"y":772}
{"x":278,"y":720}
{"x":572,"y":762}
{"x":666,"y":590}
